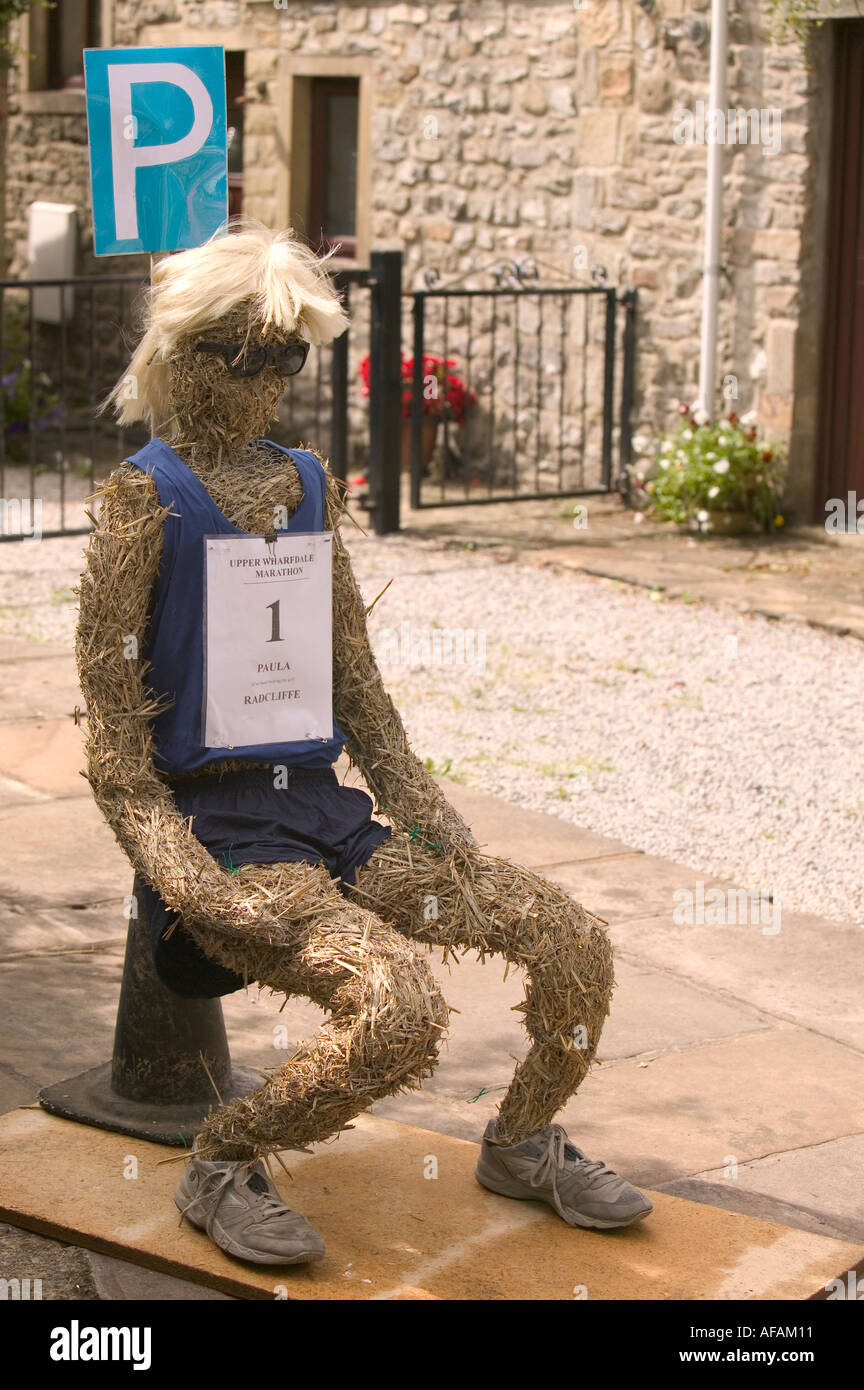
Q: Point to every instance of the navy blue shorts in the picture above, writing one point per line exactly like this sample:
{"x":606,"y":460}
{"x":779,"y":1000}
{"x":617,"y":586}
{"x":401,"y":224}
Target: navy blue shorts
{"x":242,"y":818}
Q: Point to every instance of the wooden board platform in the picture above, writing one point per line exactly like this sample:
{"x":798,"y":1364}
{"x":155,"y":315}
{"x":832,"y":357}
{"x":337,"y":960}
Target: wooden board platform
{"x":394,"y":1233}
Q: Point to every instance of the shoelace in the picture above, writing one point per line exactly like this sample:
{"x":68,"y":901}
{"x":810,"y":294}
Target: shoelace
{"x":209,"y":1189}
{"x":273,"y":1206}
{"x":551,"y":1162}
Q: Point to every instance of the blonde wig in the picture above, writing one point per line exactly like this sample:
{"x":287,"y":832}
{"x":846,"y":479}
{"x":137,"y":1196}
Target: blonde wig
{"x":283,"y":282}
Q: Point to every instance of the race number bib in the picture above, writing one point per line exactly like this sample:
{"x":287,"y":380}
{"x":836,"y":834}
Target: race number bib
{"x":268,"y":641}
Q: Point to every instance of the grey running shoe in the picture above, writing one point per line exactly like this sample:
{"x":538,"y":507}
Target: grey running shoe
{"x":241,"y":1210}
{"x":548,"y":1168}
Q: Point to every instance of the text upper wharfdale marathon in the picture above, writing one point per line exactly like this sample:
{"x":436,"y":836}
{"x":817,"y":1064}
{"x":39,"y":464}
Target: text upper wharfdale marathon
{"x":290,"y":567}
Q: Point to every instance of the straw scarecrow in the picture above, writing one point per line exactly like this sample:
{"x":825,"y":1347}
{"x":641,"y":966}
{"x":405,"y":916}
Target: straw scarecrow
{"x":327,"y":902}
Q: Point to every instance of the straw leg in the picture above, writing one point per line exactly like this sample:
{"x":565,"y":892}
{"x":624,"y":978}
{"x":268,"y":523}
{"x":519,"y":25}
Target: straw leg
{"x":387,"y":1018}
{"x":474,"y":901}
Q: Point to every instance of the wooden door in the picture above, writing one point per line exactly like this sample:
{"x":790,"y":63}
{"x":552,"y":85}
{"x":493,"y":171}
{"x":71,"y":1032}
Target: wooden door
{"x":841,"y":411}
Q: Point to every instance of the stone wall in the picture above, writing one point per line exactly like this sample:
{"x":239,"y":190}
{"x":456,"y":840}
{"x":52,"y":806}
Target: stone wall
{"x":501,"y":129}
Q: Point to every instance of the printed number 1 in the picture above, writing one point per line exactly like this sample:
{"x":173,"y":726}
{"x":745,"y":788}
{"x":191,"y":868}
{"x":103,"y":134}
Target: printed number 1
{"x":274,"y":624}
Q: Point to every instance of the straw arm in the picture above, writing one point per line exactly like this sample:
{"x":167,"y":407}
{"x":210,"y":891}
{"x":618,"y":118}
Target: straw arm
{"x":404,"y":789}
{"x":122,"y":562}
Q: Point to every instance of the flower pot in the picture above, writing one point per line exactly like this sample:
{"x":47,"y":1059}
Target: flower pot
{"x":429,"y":433}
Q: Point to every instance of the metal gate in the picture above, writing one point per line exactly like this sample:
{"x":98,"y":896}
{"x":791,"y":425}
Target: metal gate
{"x":519,"y":391}
{"x":64,"y":343}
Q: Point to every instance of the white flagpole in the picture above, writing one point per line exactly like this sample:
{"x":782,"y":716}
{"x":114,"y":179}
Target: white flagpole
{"x":713,"y":213}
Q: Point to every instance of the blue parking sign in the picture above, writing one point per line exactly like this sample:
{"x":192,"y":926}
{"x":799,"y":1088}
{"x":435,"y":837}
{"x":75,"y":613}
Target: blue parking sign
{"x":158,"y":147}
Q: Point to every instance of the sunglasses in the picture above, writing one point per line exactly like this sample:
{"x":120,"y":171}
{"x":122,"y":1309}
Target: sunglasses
{"x":245,"y":360}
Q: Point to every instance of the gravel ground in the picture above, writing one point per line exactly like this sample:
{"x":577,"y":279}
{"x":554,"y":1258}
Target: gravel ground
{"x":730,"y":743}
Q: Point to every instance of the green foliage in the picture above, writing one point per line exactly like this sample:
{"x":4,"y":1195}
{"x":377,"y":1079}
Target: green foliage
{"x":708,"y":466}
{"x":439,"y":769}
{"x":23,"y":390}
{"x":795,"y":19}
{"x":9,"y":10}
{"x":25,"y":396}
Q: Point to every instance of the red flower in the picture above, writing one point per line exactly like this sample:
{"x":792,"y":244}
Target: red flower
{"x":449,"y":397}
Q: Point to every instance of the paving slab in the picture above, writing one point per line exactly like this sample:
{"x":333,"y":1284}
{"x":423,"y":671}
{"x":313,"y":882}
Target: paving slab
{"x":36,"y":684}
{"x":822,"y":1178}
{"x":695,"y":1066}
{"x":15,"y":793}
{"x":651,"y":1013}
{"x":439,"y":1237}
{"x":58,"y":1013}
{"x":61,"y":852}
{"x":25,"y":931}
{"x":731,"y":1196}
{"x":119,"y":1281}
{"x":741,"y":1097}
{"x":263,"y":1029}
{"x":654,"y":1011}
{"x":527,"y":837}
{"x":435,"y":1111}
{"x":677,"y":1108}
{"x":44,"y":755}
{"x":14,"y":1091}
{"x":798,"y":573}
{"x":724,"y":577}
{"x":637,"y":885}
{"x":16,"y":649}
{"x":809,"y":971}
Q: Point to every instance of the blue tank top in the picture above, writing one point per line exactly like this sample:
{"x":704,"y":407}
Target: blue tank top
{"x":175,"y":639}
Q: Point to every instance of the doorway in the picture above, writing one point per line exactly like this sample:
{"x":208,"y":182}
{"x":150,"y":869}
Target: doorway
{"x":841,"y":401}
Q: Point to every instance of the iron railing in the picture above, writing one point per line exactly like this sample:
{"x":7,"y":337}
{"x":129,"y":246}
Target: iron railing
{"x":553,"y":391}
{"x":65,"y":342}
{"x":61,"y":350}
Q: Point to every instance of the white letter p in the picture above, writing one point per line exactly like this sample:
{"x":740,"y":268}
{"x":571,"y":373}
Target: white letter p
{"x":126,"y":157}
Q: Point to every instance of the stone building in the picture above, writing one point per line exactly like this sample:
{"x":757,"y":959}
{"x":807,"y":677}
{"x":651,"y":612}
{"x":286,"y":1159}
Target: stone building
{"x":563,"y":130}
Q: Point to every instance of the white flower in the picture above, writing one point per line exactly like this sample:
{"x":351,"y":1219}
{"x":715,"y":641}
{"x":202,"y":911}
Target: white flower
{"x":721,"y":466}
{"x":662,"y":463}
{"x":681,"y":456}
{"x":709,"y":458}
{"x":712,"y":491}
{"x":699,"y":415}
{"x":641,"y":443}
{"x":701,"y":516}
{"x":686,"y":434}
{"x":668,"y":446}
{"x":748,"y":419}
